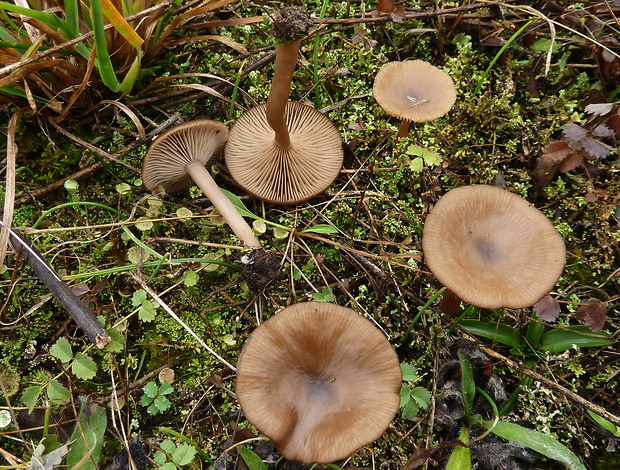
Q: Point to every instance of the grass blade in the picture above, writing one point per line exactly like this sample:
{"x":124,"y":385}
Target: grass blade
{"x":104,"y":64}
{"x":121,"y":25}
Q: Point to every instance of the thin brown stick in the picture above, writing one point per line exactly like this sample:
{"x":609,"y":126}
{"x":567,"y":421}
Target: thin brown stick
{"x":572,"y":396}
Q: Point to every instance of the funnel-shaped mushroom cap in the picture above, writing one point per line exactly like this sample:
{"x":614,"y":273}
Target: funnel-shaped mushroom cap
{"x":492,"y":248}
{"x":284,"y":176}
{"x":320,"y":380}
{"x":414,"y":90}
{"x":166,"y":160}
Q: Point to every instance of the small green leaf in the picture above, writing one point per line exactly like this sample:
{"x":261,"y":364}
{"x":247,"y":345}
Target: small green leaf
{"x":409,"y":371}
{"x":430,"y":158}
{"x":84,"y":367}
{"x":410,"y":410}
{"x":252,"y":460}
{"x":150,"y":389}
{"x":162,"y":403}
{"x":421,"y":396}
{"x":542,"y":443}
{"x":321,"y":228}
{"x":118,"y":341}
{"x":57,"y":393}
{"x":160,"y":458}
{"x":138,"y":297}
{"x":168,"y":466}
{"x":30,"y":396}
{"x":416,"y":165}
{"x":61,"y":350}
{"x":190,"y":278}
{"x":147,"y":311}
{"x":168,"y":446}
{"x":165,"y":389}
{"x":183,"y":455}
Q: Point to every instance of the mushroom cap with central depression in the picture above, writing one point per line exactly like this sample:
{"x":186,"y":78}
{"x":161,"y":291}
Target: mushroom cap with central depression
{"x":414,"y":90}
{"x":278,"y":175}
{"x":319,"y":380}
{"x":492,"y":248}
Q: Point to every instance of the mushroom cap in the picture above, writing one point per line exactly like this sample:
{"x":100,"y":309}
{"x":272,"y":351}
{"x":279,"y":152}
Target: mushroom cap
{"x":492,"y":248}
{"x":319,"y":380}
{"x":284,"y":176}
{"x":166,"y":160}
{"x":414,"y":90}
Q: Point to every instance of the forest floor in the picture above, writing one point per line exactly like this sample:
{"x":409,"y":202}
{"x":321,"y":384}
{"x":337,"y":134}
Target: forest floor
{"x":537,"y":85}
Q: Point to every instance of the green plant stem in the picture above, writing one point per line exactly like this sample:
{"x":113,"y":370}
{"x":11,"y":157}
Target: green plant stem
{"x":421,"y":311}
{"x":512,"y":39}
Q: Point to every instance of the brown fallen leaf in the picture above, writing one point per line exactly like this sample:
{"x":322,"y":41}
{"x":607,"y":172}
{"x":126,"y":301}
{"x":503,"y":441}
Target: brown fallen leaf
{"x":547,"y":309}
{"x":593,"y":314}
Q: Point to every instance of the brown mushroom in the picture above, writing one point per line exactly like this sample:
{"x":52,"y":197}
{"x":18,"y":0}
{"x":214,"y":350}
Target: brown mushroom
{"x":320,"y":380}
{"x":492,"y":248}
{"x":413,"y":90}
{"x":284,"y":152}
{"x":179,"y":156}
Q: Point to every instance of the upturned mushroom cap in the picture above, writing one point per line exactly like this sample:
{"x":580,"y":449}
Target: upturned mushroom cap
{"x":319,"y":380}
{"x":284,"y":176}
{"x":492,"y":248}
{"x":166,"y":161}
{"x":414,"y":90}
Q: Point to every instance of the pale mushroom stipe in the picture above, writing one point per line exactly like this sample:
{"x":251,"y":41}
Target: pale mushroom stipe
{"x":492,"y":248}
{"x":179,"y":156}
{"x":319,"y":380}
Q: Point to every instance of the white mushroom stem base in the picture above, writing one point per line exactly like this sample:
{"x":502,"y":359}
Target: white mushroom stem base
{"x":227,"y":209}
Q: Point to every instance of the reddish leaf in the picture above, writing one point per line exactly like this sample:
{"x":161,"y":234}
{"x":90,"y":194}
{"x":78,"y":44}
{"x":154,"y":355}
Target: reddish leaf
{"x":398,"y":15}
{"x":547,"y":308}
{"x":556,"y":151}
{"x":571,"y":162}
{"x":593,"y":314}
{"x":386,"y":6}
{"x":614,"y":122}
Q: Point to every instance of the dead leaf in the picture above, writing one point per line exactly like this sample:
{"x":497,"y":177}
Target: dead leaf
{"x":599,"y":109}
{"x":547,"y":309}
{"x":573,"y":132}
{"x":594,"y":148}
{"x":593,"y":314}
{"x":398,"y":15}
{"x":386,"y":6}
{"x":571,"y":162}
{"x":556,"y":151}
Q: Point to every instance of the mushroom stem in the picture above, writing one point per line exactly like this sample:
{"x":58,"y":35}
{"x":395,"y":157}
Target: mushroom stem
{"x":403,"y":129}
{"x":286,"y":60}
{"x":238,"y":225}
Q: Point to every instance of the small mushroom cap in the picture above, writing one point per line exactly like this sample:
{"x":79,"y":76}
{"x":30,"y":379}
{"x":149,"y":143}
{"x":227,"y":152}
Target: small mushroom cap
{"x":319,"y":380}
{"x":414,"y":90}
{"x":284,"y":176}
{"x":492,"y":248}
{"x":166,"y":160}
